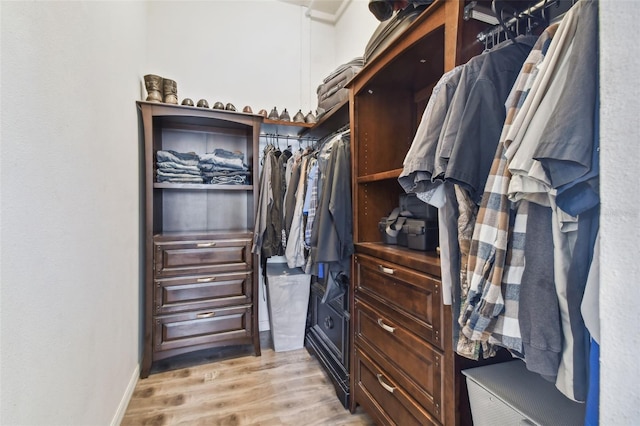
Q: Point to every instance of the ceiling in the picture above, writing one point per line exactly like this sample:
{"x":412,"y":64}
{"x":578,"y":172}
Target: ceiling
{"x":323,"y":10}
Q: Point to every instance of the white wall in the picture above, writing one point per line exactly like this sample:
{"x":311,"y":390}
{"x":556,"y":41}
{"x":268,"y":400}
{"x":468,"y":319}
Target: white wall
{"x":353,"y":30}
{"x":620,"y":216}
{"x":70,"y":215}
{"x":322,"y":57}
{"x":255,"y":53}
{"x":261,"y":53}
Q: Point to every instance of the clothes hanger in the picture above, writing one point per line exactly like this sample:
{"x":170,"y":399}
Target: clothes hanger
{"x":499,"y":7}
{"x":542,"y":20}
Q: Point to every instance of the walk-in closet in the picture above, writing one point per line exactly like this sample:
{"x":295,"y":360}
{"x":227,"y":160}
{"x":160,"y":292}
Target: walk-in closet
{"x":325,"y":212}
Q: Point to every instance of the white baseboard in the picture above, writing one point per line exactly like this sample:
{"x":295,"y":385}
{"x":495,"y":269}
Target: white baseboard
{"x":124,"y":403}
{"x":264,"y":325}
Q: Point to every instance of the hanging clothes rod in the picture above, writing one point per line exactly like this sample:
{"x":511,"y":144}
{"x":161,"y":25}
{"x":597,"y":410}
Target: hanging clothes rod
{"x":288,"y":137}
{"x":527,"y":13}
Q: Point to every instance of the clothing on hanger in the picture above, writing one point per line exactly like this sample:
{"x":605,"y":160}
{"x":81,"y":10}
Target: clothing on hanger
{"x":497,"y":161}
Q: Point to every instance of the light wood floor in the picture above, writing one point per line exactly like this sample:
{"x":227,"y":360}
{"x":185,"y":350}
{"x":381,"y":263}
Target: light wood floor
{"x":277,"y":388}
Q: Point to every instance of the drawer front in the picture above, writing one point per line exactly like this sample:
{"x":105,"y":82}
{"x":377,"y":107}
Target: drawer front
{"x":173,"y":295}
{"x":202,"y":327}
{"x":384,"y":399}
{"x":413,"y":295}
{"x":339,"y":303}
{"x":408,"y":360}
{"x":331,"y":325}
{"x":201,"y":257}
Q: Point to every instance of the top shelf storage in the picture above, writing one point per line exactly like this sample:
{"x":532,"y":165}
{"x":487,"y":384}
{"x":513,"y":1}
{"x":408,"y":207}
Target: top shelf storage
{"x":336,"y":118}
{"x":387,"y":100}
{"x":176,"y":206}
{"x":181,"y":116}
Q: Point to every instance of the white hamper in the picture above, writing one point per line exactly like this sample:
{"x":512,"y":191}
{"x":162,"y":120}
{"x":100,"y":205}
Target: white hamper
{"x":288,"y":299}
{"x":509,"y":394}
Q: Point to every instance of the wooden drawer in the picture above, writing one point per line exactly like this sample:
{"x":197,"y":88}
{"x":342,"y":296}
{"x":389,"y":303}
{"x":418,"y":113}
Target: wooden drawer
{"x":180,"y":294}
{"x":172,"y":258}
{"x":201,"y":327}
{"x":407,"y":360}
{"x":413,"y":298}
{"x":384,"y":399}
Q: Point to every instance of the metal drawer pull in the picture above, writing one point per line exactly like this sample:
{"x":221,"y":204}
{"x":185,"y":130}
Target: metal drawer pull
{"x":206,"y":280}
{"x":206,"y":315}
{"x":212,"y":244}
{"x":386,"y":270}
{"x":385,"y":326}
{"x":386,"y":387}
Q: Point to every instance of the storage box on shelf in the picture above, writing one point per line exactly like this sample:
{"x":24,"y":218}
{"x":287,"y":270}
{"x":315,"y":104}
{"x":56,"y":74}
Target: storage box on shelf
{"x":403,"y":367}
{"x":200,"y":286}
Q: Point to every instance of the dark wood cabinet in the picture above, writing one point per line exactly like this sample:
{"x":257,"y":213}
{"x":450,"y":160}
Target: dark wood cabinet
{"x":327,"y":337}
{"x":403,"y":367}
{"x":399,"y":335}
{"x":200,"y":285}
{"x":327,"y":334}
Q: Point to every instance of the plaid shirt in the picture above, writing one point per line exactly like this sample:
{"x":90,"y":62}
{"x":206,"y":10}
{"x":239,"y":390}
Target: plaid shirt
{"x":496,"y":258}
{"x":312,"y":188}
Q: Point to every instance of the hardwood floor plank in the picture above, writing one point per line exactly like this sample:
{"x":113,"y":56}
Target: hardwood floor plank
{"x":277,"y":388}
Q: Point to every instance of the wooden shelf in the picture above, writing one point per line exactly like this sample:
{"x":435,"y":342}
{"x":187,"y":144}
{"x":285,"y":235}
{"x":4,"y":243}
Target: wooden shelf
{"x":376,"y":177}
{"x":202,"y":186}
{"x":330,"y":122}
{"x":198,"y":235}
{"x":171,"y":115}
{"x":283,"y":128}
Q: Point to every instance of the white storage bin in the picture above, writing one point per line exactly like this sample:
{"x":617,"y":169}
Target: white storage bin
{"x":288,"y":299}
{"x":509,"y":394}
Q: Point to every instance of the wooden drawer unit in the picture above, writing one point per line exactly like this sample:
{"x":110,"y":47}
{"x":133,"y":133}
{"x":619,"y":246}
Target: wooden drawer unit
{"x":203,"y":293}
{"x":402,"y":335}
{"x":412,"y":297}
{"x":409,"y":361}
{"x":397,"y":322}
{"x":197,"y":235}
{"x":203,"y":256}
{"x":180,"y":294}
{"x":193,"y":329}
{"x":382,"y":398}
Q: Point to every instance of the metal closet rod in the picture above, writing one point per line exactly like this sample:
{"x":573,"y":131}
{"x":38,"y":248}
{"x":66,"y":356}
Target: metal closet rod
{"x":288,"y":137}
{"x":482,"y":36}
